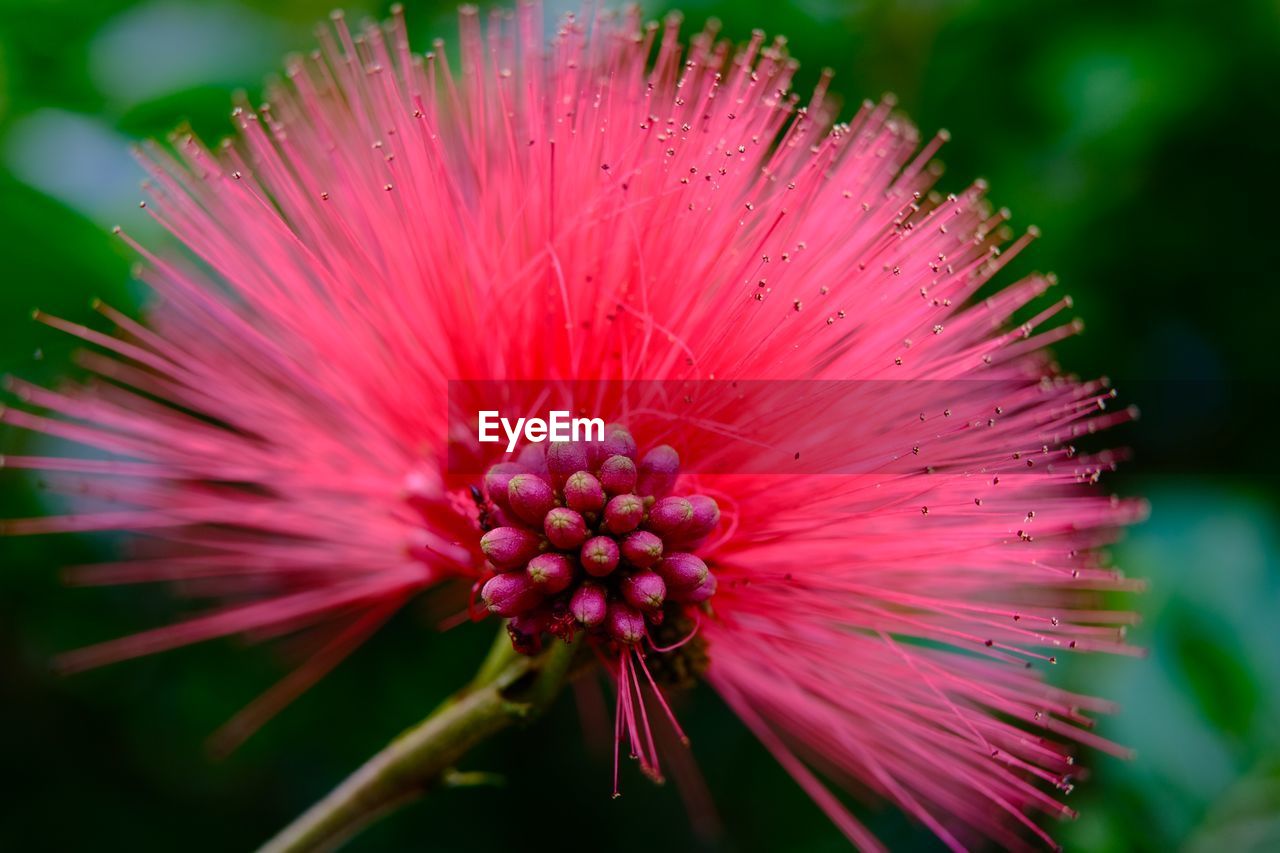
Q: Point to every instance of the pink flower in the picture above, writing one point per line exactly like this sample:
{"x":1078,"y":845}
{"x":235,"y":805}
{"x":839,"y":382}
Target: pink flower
{"x":615,"y":207}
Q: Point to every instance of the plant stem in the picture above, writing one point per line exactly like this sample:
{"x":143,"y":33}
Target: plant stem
{"x":508,"y":688}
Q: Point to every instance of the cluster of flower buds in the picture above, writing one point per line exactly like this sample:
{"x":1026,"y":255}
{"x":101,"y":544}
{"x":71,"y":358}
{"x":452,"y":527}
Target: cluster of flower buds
{"x":590,"y":538}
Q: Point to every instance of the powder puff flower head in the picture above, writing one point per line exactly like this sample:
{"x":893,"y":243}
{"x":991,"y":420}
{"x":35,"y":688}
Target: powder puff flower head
{"x":610,"y":216}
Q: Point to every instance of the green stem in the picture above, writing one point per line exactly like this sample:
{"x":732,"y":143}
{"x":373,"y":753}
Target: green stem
{"x":508,"y":688}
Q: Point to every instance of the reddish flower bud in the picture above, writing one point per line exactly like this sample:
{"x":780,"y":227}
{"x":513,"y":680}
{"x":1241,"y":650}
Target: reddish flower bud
{"x":530,"y":497}
{"x":600,"y":556}
{"x":617,"y":442}
{"x":625,"y":624}
{"x":563,"y":459}
{"x":682,"y":572}
{"x":669,"y":516}
{"x":623,"y":514}
{"x":583,"y":493}
{"x":510,"y":594}
{"x":642,"y":549}
{"x":509,"y":547}
{"x":706,"y":515}
{"x":697,"y":594}
{"x":497,"y":478}
{"x":533,"y":457}
{"x":618,"y":475}
{"x":565,"y":528}
{"x":658,"y":471}
{"x":551,"y":572}
{"x":589,"y":605}
{"x":644,"y":590}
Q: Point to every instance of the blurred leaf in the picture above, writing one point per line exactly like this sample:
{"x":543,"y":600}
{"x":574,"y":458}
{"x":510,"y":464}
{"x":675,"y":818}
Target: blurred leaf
{"x":1215,"y":672}
{"x":206,"y":110}
{"x":1246,"y":818}
{"x":58,"y":262}
{"x":4,"y":82}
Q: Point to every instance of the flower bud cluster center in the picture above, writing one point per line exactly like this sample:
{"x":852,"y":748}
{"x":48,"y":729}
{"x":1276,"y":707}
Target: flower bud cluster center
{"x":588,"y":537}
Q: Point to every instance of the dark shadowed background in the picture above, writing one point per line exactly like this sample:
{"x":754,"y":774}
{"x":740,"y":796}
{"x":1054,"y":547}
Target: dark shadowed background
{"x":1142,"y":141}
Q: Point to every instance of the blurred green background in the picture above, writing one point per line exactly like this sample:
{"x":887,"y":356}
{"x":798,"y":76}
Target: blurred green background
{"x":1140,"y":137}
